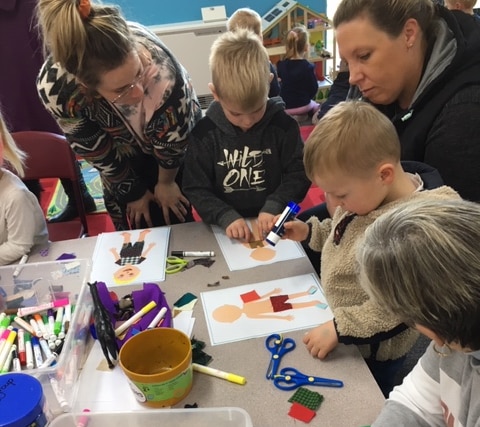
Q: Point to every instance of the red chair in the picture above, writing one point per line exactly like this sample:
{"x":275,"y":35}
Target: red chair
{"x":49,"y":156}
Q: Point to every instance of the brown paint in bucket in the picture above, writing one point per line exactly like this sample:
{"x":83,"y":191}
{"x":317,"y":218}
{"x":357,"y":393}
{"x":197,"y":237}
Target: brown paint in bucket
{"x":158,"y":365}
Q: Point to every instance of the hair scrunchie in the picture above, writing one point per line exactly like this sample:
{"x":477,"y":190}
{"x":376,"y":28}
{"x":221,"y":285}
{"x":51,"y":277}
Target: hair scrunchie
{"x":84,"y":8}
{"x":293,"y":34}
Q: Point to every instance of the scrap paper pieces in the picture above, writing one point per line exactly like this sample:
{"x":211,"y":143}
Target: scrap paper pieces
{"x":240,"y":255}
{"x":130,"y":257}
{"x":259,"y":309}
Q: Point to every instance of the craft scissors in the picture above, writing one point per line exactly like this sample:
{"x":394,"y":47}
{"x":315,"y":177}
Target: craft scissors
{"x":278,"y":346}
{"x":291,"y":378}
{"x":176,"y":264}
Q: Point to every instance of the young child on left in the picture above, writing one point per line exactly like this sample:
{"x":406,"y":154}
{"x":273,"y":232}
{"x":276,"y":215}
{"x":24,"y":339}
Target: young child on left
{"x":22,"y":223}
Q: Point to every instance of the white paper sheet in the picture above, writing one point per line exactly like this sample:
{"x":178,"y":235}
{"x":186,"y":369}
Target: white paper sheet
{"x":147,"y":262}
{"x":240,"y":256}
{"x":229,"y":318}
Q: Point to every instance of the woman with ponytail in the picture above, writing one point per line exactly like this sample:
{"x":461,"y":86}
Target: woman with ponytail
{"x":125,"y":104}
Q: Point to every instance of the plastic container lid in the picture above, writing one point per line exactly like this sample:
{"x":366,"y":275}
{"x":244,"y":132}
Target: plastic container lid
{"x":21,"y":400}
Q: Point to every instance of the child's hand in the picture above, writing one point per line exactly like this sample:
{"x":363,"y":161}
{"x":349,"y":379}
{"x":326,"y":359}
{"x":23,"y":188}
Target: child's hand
{"x":239,"y":230}
{"x":265,"y":224}
{"x":321,"y":340}
{"x":296,"y":230}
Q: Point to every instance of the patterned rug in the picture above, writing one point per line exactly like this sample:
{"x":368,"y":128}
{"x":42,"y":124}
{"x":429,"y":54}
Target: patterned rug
{"x":94,"y":185}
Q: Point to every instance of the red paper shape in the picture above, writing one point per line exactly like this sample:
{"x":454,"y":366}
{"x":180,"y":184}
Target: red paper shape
{"x":249,"y":296}
{"x":301,"y":412}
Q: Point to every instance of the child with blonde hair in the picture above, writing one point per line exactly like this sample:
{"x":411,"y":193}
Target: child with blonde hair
{"x":353,"y":154}
{"x":22,"y":223}
{"x":251,"y":20}
{"x":298,"y":82}
{"x":245,"y":158}
{"x":465,"y":6}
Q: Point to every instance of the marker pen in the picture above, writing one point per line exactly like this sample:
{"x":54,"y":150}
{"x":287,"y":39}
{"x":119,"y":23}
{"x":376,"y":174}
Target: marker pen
{"x":36,"y":328}
{"x":22,"y":261}
{"x":16,"y":362}
{"x":4,"y":322}
{"x":45,"y":348}
{"x":144,"y":310}
{"x":59,"y":394}
{"x":58,"y":321}
{"x":23,"y":311}
{"x":37,"y":352}
{"x":23,"y":324}
{"x":8,"y":360}
{"x":237,"y":379}
{"x":160,"y":315}
{"x":4,"y":336}
{"x":7,"y":346}
{"x":51,"y":323}
{"x":67,"y":315}
{"x":21,"y":347}
{"x":29,"y":351}
{"x":41,"y":325}
{"x":193,"y":253}
{"x":277,"y":231}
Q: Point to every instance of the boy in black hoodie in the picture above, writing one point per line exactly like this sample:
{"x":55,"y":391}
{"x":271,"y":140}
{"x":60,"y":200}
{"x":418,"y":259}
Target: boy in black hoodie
{"x":245,"y":157}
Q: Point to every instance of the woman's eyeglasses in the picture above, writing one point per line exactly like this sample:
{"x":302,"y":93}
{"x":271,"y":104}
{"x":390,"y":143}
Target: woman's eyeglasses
{"x":137,"y":80}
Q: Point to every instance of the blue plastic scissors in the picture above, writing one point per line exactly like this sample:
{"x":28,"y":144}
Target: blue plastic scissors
{"x":278,"y":346}
{"x":291,"y":378}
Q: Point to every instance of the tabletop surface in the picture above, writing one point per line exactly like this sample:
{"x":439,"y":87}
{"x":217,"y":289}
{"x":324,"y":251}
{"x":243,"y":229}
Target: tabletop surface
{"x":356,"y":404}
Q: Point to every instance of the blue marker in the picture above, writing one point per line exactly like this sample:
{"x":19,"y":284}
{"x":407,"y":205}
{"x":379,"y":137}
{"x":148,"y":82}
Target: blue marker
{"x":277,"y":231}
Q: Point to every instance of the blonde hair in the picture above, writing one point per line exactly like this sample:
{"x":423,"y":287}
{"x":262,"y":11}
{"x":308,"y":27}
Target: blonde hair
{"x":84,"y":46}
{"x":11,"y":153}
{"x":387,"y":15}
{"x":245,"y":18}
{"x":296,"y":42}
{"x":465,"y":5}
{"x":421,"y":261}
{"x":353,"y":137}
{"x":240,"y":68}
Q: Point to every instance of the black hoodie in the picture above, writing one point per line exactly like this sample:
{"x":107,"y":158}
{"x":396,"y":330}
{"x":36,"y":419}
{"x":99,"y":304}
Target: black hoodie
{"x":231,"y":174}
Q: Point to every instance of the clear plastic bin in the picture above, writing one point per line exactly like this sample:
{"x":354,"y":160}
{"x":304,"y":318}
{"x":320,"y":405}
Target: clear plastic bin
{"x":44,"y":282}
{"x":198,"y":417}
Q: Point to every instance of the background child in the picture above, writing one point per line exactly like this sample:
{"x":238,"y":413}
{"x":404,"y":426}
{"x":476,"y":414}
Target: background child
{"x":421,"y":261}
{"x":465,"y":6}
{"x":298,"y":82}
{"x":353,"y":154}
{"x":245,"y":159}
{"x":251,"y":20}
{"x":22,"y":223}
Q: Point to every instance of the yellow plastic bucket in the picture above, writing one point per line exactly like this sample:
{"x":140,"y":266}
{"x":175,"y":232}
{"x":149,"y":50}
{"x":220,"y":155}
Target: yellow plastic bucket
{"x":158,"y":365}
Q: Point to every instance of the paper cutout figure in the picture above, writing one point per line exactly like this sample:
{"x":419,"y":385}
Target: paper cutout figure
{"x":304,"y":289}
{"x":240,"y":255}
{"x":263,"y":307}
{"x":130,"y":256}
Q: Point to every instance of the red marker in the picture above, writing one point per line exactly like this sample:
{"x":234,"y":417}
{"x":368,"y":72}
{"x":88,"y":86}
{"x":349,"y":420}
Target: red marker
{"x":22,"y":355}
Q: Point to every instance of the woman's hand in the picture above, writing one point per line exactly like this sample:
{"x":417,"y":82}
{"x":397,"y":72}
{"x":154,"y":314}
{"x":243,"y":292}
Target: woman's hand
{"x":169,"y":197}
{"x":139,"y":209}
